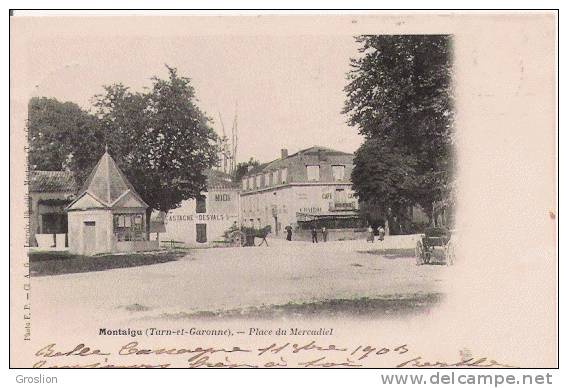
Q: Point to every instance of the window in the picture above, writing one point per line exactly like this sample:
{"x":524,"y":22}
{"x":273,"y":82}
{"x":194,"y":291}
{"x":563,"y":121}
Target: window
{"x":244,"y":184}
{"x":284,"y":175}
{"x":338,"y":173}
{"x":267,"y":179}
{"x":251,"y":183}
{"x":129,"y":227}
{"x":258,"y":178}
{"x":275,"y":177}
{"x":313,"y":173}
{"x":200,"y":205}
{"x":340,"y":196}
{"x":201,"y":233}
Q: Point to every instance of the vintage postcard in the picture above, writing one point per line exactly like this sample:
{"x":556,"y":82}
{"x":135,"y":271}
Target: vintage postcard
{"x":356,"y":190}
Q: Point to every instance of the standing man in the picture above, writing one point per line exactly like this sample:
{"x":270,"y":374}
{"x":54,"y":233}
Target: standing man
{"x":314,"y":235}
{"x":324,"y":234}
{"x":288,"y":233}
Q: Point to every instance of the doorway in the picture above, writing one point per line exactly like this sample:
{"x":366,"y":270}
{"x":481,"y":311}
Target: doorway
{"x":89,"y":238}
{"x":201,"y":233}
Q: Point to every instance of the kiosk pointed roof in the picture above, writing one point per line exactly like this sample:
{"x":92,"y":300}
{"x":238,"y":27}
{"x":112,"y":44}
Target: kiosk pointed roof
{"x":107,"y":184}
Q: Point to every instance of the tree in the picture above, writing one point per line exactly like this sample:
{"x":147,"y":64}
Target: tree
{"x":384,"y":178}
{"x":399,"y":96}
{"x":160,"y":139}
{"x":242,"y":169}
{"x":54,"y":128}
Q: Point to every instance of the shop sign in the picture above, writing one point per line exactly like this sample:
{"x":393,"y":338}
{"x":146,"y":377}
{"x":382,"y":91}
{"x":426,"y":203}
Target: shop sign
{"x":199,"y":217}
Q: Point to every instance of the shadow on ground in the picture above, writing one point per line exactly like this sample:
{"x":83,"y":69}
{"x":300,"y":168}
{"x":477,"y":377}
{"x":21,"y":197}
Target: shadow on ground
{"x":59,"y":263}
{"x":391,"y":253}
{"x":388,"y":306}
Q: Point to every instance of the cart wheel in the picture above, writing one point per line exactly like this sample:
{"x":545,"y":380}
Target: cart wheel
{"x":419,"y":253}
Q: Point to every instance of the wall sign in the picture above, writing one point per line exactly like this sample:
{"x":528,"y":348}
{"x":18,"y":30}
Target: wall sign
{"x":222,"y":197}
{"x":199,"y":217}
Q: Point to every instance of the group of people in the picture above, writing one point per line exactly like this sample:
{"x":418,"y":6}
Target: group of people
{"x":314,"y":232}
{"x":371,"y":234}
{"x":324,"y":233}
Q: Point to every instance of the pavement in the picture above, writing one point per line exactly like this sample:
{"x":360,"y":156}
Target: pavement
{"x":220,"y":279}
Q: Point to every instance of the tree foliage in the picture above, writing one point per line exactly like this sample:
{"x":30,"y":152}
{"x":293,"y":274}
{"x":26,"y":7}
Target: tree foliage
{"x":160,"y":139}
{"x":55,"y":129}
{"x":399,"y":96}
{"x":242,"y":169}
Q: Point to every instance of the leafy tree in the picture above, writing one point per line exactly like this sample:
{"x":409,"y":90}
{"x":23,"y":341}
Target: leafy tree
{"x":383,"y":177}
{"x":242,"y":169}
{"x":160,"y":139}
{"x":399,"y":96}
{"x":54,"y":128}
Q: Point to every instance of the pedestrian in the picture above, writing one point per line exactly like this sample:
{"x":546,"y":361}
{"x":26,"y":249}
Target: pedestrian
{"x":370,"y":234}
{"x":263,"y":233}
{"x":381,"y":233}
{"x":324,"y":234}
{"x":288,"y":232}
{"x":314,"y":235}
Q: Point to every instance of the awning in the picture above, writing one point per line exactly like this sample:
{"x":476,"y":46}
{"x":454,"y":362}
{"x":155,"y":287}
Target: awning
{"x":304,"y":217}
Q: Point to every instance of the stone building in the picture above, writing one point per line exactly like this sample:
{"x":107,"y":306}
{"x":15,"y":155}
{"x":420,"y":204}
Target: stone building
{"x":108,"y":215}
{"x":202,"y":221}
{"x":309,"y":188}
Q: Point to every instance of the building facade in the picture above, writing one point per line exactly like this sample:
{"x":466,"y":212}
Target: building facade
{"x":203,"y":221}
{"x":309,"y":188}
{"x":49,"y":193}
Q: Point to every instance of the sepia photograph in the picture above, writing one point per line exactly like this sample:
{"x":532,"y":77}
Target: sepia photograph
{"x":283,"y":191}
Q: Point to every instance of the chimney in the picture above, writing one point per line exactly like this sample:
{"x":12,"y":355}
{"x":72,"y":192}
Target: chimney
{"x":284,"y":153}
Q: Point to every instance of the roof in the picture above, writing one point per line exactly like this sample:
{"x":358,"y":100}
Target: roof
{"x":219,"y":180}
{"x":281,"y":162}
{"x":107,"y":184}
{"x":52,"y":181}
{"x":259,"y":168}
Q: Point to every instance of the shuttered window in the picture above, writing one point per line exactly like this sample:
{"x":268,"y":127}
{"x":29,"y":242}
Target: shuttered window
{"x":338,"y":172}
{"x":313,"y":173}
{"x":284,"y":175}
{"x":201,"y":206}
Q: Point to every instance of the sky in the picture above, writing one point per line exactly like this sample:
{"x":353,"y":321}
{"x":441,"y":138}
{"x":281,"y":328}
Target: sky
{"x":288,"y":88}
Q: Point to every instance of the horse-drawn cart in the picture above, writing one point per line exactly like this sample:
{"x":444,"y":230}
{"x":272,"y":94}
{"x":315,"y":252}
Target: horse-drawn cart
{"x":435,"y":242}
{"x":245,"y":236}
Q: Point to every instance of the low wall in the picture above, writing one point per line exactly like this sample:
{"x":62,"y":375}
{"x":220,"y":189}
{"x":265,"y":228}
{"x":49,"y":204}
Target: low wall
{"x":332,"y":235}
{"x":51,"y":241}
{"x":136,"y":246}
